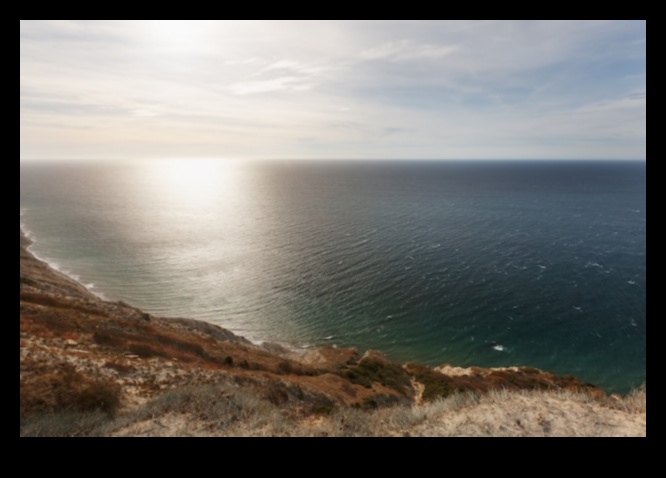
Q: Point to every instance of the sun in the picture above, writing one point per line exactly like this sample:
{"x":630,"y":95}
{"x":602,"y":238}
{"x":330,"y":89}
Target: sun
{"x":179,"y":35}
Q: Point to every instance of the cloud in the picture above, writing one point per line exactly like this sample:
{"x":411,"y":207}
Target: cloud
{"x":275,"y":84}
{"x":144,"y":113}
{"x":282,"y":75}
{"x":295,"y":67}
{"x":354,"y":89}
{"x":407,"y":50}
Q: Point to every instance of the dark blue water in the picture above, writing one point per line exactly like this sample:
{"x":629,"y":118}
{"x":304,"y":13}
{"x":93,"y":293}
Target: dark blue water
{"x":470,"y":263}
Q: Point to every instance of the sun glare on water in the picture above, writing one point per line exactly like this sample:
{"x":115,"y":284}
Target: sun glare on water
{"x":196,"y":182}
{"x":191,"y":173}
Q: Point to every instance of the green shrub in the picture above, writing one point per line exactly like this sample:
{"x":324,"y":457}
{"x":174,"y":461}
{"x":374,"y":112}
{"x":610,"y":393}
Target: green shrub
{"x":367,"y":372}
{"x":26,"y":281}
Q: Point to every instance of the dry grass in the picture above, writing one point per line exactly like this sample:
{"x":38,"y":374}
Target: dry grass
{"x":65,"y":423}
{"x":538,"y":413}
{"x":228,"y":409}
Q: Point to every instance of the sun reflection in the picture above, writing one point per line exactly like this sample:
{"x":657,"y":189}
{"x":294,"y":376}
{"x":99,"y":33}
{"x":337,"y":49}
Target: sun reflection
{"x":195,"y":182}
{"x":195,"y":203}
{"x":189,"y":173}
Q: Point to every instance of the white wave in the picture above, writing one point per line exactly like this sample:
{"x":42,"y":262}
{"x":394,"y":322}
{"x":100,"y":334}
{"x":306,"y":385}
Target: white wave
{"x":498,"y":347}
{"x":28,"y":233}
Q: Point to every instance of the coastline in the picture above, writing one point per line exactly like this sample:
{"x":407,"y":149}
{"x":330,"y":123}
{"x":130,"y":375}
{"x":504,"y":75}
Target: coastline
{"x":61,"y":282}
{"x":74,"y":346}
{"x":519,"y":302}
{"x":33,"y":267}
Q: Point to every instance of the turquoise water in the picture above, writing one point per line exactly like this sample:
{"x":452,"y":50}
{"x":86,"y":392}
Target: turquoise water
{"x":470,"y":263}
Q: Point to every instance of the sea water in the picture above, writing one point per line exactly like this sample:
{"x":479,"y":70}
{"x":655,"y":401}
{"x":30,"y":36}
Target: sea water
{"x":488,"y":263}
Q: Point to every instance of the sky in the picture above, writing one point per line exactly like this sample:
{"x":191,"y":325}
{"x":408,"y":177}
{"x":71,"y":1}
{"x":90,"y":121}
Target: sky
{"x":333,"y":90}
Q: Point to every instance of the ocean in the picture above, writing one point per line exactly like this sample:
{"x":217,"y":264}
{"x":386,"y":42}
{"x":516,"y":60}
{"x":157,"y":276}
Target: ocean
{"x":486,"y":263}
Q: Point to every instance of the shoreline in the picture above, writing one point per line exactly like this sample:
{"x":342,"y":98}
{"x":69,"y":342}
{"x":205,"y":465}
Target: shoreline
{"x":32,"y":265}
{"x":91,"y":367}
{"x":27,"y":241}
{"x":61,"y":282}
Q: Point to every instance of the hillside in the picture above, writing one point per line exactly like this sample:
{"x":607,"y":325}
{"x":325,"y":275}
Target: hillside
{"x":94,"y":367}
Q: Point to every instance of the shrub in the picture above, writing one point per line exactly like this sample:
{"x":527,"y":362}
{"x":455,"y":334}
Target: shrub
{"x":66,"y":389}
{"x":102,"y":395}
{"x":65,"y":423}
{"x":108,"y":339}
{"x":390,"y":375}
{"x":145,"y":350}
{"x":276,"y":393}
{"x":285,"y":367}
{"x":26,"y":281}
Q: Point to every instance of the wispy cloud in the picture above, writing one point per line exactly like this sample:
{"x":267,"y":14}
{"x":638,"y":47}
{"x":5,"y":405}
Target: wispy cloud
{"x":407,"y":50}
{"x":281,"y":75}
{"x":353,"y":89}
{"x":274,"y":84}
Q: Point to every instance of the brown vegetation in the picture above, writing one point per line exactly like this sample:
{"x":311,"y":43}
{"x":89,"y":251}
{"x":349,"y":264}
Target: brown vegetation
{"x":48,"y":388}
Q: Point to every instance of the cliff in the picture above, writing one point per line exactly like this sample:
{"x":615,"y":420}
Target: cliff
{"x":94,"y":367}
